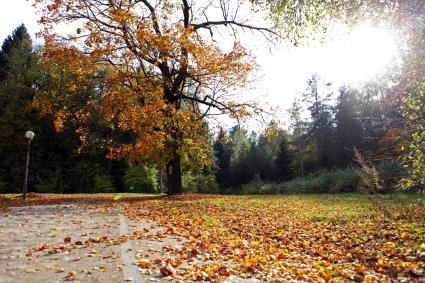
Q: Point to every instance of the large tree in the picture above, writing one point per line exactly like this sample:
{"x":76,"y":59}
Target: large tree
{"x":17,"y":75}
{"x":161,"y":68}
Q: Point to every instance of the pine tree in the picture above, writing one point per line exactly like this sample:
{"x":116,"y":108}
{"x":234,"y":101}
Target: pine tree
{"x":348,"y":130}
{"x":223,"y":154}
{"x":18,"y":71}
{"x":282,"y":163}
{"x":320,"y":127}
{"x":19,"y":42}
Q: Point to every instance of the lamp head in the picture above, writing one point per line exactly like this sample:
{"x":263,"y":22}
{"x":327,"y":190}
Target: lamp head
{"x":29,"y":135}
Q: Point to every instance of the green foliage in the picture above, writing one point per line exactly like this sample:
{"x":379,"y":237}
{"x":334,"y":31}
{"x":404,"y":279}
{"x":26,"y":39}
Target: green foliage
{"x":15,"y":51}
{"x":348,"y":129}
{"x":392,"y":172}
{"x":282,"y":163}
{"x":344,"y":181}
{"x":83,"y":173}
{"x":334,"y":181}
{"x":18,"y":73}
{"x":258,"y":187}
{"x":222,"y":153}
{"x":58,"y":163}
{"x":142,"y":179}
{"x":103,"y":184}
{"x":3,"y":187}
{"x":305,"y":21}
{"x":414,"y":113}
{"x":204,"y":184}
{"x":240,"y":156}
{"x":311,"y":184}
{"x":240,"y":170}
{"x":414,"y":157}
{"x":52,"y":182}
{"x":380,"y":178}
{"x":319,"y":128}
{"x":363,"y":118}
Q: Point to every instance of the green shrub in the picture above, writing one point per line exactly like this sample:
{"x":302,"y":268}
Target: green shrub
{"x":103,"y":184}
{"x":391,"y":173}
{"x":188,"y":183}
{"x":344,"y":181}
{"x":142,"y":179}
{"x":3,"y":187}
{"x":51,"y":182}
{"x":258,"y":187}
{"x":335,"y":181}
{"x":255,"y":187}
{"x":80,"y":177}
{"x":383,"y":177}
{"x":203,"y":184}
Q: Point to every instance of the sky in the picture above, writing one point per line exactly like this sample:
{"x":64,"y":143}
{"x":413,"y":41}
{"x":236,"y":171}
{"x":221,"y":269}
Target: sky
{"x":351,"y":58}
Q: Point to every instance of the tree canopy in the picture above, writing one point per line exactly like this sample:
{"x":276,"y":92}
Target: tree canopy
{"x":161,"y":72}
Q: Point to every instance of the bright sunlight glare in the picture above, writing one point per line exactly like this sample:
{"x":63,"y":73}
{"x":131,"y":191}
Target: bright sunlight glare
{"x":347,"y":58}
{"x":363,"y":54}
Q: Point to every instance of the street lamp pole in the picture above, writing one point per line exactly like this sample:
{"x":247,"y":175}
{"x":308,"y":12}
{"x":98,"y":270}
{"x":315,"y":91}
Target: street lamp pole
{"x":30,"y":136}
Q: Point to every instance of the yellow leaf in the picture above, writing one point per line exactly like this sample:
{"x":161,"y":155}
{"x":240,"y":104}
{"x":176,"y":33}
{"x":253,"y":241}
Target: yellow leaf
{"x":368,"y":279}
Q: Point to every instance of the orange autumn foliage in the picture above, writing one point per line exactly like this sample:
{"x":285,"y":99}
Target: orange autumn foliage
{"x":156,"y":75}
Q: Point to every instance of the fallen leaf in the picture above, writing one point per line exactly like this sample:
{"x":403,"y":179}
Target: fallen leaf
{"x":71,"y":274}
{"x":40,"y":247}
{"x":224,"y":271}
{"x":144,"y":263}
{"x":167,"y":270}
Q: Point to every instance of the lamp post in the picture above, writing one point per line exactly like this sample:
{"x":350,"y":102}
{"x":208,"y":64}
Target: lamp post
{"x":30,"y":136}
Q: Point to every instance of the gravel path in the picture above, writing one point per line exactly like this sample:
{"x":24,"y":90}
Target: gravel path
{"x":61,"y":243}
{"x":71,"y":243}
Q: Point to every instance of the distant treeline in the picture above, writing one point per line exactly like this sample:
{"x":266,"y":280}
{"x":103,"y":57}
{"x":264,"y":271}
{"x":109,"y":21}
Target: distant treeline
{"x":326,"y":139}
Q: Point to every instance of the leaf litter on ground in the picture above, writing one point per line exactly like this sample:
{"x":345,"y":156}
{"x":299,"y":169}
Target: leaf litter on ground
{"x":311,"y":238}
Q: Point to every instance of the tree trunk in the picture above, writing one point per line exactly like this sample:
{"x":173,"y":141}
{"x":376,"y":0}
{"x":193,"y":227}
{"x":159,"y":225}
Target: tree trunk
{"x":174,"y":176}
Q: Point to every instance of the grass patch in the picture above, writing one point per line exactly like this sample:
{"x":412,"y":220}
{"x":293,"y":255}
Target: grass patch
{"x":299,"y":237}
